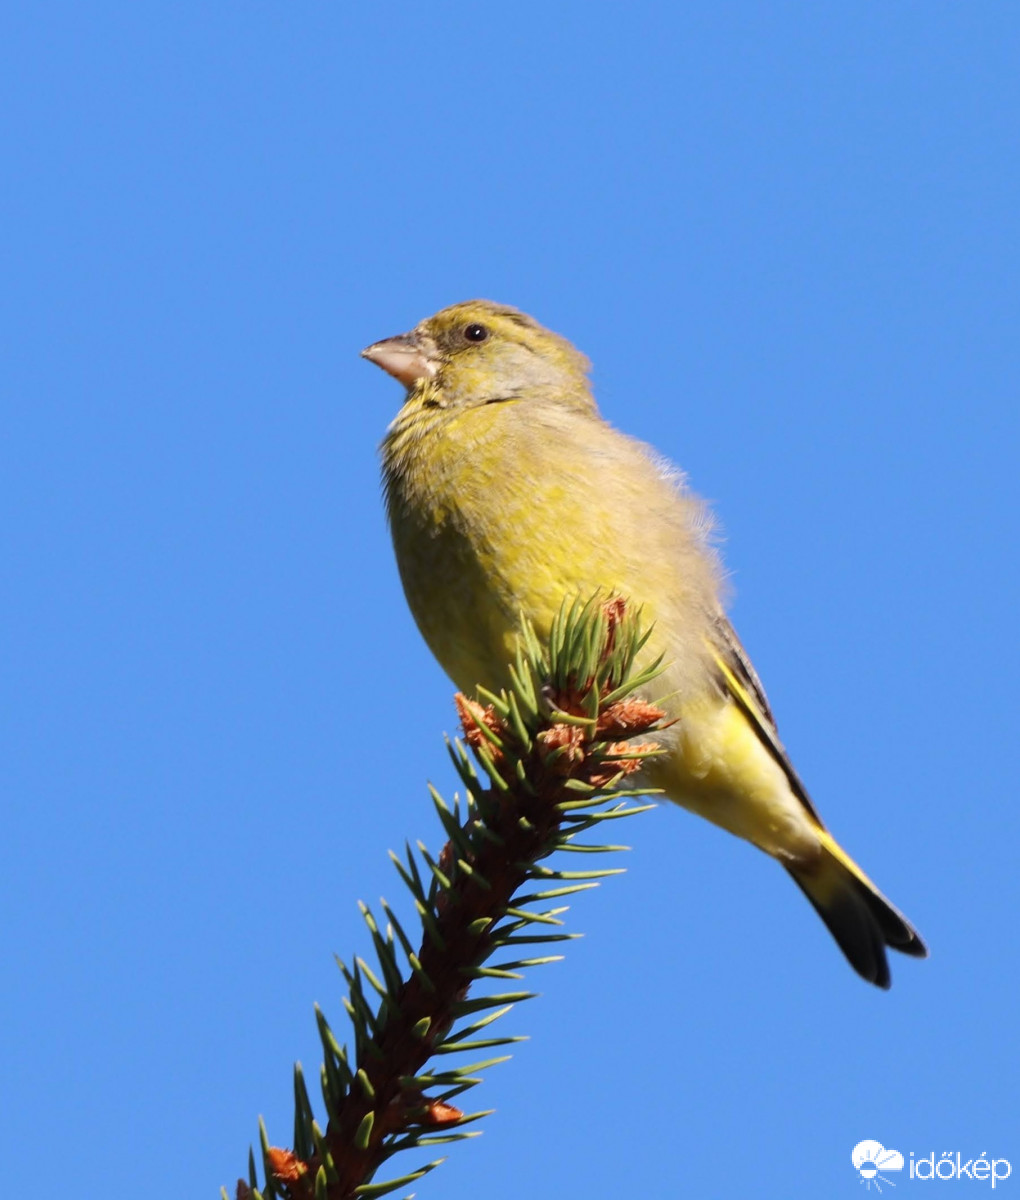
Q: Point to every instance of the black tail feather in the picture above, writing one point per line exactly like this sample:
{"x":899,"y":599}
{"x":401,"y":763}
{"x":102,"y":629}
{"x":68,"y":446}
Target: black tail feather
{"x":858,"y":916}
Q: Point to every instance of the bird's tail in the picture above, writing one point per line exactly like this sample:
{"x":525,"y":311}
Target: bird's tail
{"x":858,"y":916}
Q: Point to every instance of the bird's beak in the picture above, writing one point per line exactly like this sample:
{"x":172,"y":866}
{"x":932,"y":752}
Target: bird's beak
{"x":405,"y":357}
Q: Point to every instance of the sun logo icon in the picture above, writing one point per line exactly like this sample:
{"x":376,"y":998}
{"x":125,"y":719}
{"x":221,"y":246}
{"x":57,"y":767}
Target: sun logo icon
{"x":871,"y":1158}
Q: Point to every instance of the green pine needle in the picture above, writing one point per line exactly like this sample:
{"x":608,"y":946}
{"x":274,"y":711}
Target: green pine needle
{"x":537,"y":772}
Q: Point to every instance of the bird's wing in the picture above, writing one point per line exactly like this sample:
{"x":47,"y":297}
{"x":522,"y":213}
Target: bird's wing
{"x":739,"y":680}
{"x":728,"y":645}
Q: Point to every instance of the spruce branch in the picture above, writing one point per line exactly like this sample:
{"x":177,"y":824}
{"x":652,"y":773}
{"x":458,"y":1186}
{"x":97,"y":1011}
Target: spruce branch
{"x":556,"y":749}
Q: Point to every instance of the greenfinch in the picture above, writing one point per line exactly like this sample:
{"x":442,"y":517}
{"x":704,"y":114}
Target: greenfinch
{"x":508,"y":493}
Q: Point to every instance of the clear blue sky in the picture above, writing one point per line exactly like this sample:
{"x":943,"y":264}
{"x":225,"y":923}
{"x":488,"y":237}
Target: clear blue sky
{"x":787,"y":234}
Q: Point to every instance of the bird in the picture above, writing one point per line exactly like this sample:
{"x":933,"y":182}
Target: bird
{"x":507,"y":492}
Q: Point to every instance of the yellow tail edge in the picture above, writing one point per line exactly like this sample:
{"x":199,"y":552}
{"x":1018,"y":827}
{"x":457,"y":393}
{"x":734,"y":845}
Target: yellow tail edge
{"x":858,"y":916}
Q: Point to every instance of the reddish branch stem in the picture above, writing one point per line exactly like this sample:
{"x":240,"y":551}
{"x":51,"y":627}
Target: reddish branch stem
{"x":525,"y":822}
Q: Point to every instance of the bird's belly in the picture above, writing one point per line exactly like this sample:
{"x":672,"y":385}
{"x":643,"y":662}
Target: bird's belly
{"x":469,"y":591}
{"x":718,"y":768}
{"x":465,"y":601}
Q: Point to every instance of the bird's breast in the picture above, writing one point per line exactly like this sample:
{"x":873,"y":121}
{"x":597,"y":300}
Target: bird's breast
{"x":503,"y":511}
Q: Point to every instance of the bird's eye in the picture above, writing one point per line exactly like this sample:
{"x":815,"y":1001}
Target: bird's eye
{"x":475,"y":332}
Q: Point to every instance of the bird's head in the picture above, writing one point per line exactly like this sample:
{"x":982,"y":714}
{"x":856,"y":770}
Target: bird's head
{"x":478,"y":352}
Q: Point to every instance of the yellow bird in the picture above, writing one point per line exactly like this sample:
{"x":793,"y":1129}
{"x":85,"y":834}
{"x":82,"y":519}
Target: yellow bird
{"x":507,"y":492}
